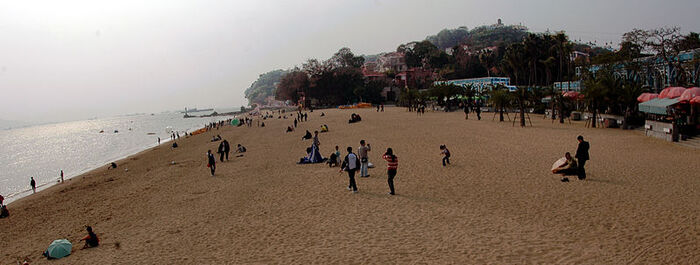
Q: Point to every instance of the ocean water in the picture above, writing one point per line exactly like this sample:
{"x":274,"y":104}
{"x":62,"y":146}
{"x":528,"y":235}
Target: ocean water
{"x":77,"y":147}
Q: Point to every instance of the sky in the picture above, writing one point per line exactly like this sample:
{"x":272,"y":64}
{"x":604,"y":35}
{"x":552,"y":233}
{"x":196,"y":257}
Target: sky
{"x":69,"y":60}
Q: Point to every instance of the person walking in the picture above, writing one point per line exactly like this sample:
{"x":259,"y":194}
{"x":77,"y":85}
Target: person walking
{"x":364,"y":158}
{"x":466,"y":111}
{"x":295,"y":122}
{"x":158,"y":140}
{"x":351,"y":163}
{"x":582,"y":156}
{"x":392,"y":165}
{"x":33,"y":184}
{"x":227,"y":147}
{"x":478,"y":111}
{"x":446,"y":155}
{"x":61,"y":175}
{"x":382,"y":107}
{"x":220,"y":151}
{"x":211,"y":162}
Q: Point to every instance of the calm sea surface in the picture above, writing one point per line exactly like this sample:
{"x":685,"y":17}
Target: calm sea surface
{"x":78,"y":146}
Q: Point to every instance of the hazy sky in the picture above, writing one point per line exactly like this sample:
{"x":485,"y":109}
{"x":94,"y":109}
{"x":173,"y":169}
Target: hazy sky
{"x":65,"y":60}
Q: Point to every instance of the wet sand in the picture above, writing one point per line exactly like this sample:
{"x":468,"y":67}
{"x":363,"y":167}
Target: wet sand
{"x":497,"y":203}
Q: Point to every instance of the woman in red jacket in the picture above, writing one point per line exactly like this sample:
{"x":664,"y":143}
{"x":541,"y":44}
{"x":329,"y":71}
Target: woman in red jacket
{"x":392,"y":165}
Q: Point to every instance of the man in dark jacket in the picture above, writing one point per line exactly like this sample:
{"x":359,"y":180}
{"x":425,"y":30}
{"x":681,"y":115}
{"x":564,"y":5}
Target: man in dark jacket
{"x":227,"y":147}
{"x":582,"y":156}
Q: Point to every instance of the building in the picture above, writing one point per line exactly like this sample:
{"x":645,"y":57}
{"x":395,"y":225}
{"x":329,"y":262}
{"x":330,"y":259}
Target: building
{"x":654,"y":72}
{"x":568,"y":86}
{"x":480,"y":84}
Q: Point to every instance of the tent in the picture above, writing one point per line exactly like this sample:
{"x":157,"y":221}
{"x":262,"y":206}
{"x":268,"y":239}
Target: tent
{"x":671,"y":92}
{"x":58,"y":249}
{"x":644,"y":97}
{"x":689,"y":94}
{"x":657,"y":106}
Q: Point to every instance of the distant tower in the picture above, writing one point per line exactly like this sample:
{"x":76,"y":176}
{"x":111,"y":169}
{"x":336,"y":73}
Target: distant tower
{"x":500,"y":23}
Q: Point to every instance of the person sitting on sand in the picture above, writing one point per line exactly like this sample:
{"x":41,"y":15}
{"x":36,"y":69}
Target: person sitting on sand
{"x":241,"y":149}
{"x":323,"y":114}
{"x":290,"y":129}
{"x":570,"y":167}
{"x":307,"y":136}
{"x":112,"y":166}
{"x":324,"y":128}
{"x":91,"y":239}
{"x":354,"y":118}
{"x":174,"y":144}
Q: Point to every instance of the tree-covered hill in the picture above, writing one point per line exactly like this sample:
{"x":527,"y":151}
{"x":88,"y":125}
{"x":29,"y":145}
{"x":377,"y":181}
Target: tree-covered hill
{"x":264,"y":87}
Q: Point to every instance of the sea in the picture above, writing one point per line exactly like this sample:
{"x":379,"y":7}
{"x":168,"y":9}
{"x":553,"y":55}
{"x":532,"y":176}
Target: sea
{"x":79,"y":146}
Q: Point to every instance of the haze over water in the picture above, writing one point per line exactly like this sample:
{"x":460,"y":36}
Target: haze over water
{"x":78,"y":146}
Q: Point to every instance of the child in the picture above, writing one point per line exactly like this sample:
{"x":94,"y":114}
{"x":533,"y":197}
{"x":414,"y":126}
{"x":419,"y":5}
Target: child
{"x":392,"y":165}
{"x":446,"y":153}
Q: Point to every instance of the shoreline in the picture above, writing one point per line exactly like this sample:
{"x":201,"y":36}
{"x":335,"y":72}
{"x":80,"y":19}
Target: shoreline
{"x":13,"y":197}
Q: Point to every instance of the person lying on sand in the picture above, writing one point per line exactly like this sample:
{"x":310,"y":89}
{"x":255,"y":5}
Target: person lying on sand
{"x":568,"y":168}
{"x":91,"y":239}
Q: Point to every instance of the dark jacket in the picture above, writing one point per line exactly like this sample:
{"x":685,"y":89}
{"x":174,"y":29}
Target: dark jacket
{"x":582,"y":151}
{"x":227,"y":147}
{"x":212,"y":160}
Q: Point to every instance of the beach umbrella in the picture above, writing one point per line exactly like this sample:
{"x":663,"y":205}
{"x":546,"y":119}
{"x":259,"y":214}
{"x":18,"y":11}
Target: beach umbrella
{"x":695,"y":100}
{"x":573,"y":95}
{"x":59,"y":248}
{"x":671,"y":92}
{"x":689,"y":94}
{"x":644,"y":97}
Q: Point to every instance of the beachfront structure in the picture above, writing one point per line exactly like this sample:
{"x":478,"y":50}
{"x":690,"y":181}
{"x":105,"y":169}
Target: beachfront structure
{"x":576,"y":86}
{"x":654,"y":72}
{"x":480,"y":84}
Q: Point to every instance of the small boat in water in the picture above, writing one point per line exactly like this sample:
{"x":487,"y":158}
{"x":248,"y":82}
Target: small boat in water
{"x":116,"y":131}
{"x":102,"y":131}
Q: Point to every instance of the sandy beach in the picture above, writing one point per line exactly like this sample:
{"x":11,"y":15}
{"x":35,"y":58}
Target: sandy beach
{"x":497,"y":203}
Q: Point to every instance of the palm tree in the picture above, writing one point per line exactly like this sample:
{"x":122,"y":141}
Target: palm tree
{"x":628,"y":99}
{"x":597,"y":90}
{"x":500,"y":98}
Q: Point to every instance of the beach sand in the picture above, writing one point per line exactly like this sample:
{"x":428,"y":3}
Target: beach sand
{"x":497,"y":203}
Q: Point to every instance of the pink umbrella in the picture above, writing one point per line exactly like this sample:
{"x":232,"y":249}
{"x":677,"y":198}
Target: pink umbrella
{"x":644,"y":97}
{"x":671,"y":92}
{"x":689,"y":94}
{"x":695,"y":100}
{"x":573,"y":95}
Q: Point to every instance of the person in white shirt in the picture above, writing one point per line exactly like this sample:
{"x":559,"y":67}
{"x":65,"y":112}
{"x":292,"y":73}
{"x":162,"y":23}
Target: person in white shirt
{"x":364,"y":158}
{"x":351,"y":164}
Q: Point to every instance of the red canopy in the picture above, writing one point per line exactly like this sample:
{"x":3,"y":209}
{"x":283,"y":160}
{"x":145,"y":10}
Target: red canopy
{"x":644,"y":97}
{"x":689,"y":94}
{"x":695,"y":100}
{"x":671,"y":92}
{"x":573,"y":95}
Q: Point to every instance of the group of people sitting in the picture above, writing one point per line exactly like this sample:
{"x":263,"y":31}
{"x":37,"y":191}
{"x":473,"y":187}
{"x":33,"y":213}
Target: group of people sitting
{"x":354,"y":118}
